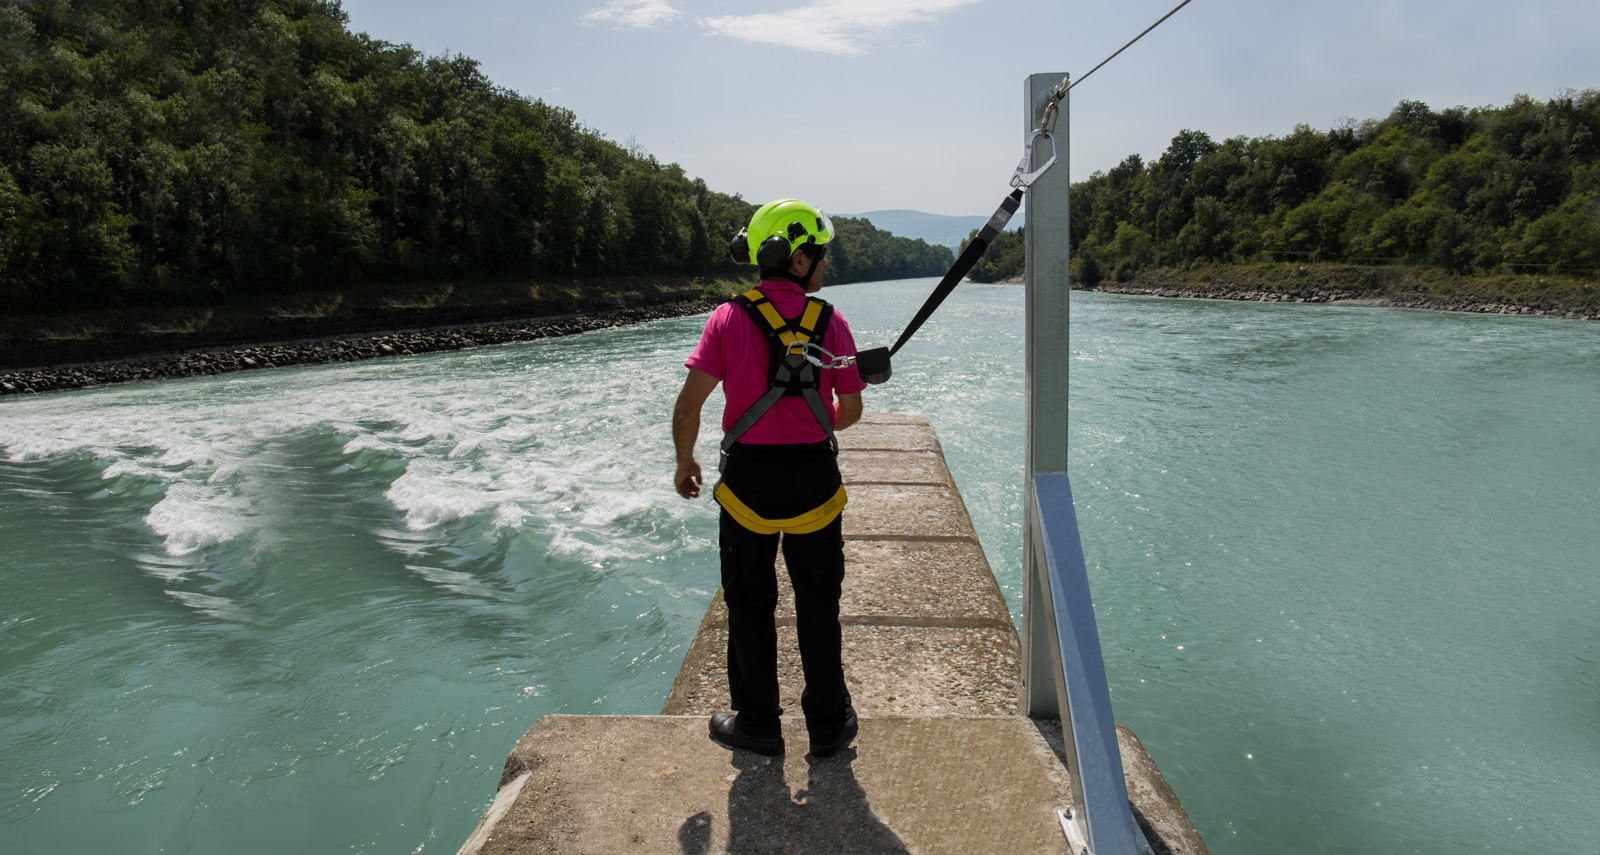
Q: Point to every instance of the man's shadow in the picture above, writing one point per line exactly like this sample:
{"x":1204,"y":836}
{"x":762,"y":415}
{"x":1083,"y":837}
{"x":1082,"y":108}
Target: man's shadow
{"x":830,"y":814}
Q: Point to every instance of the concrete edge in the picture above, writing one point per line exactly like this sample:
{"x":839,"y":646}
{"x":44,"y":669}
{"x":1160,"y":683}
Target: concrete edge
{"x":676,"y":702}
{"x":1156,"y":807}
{"x":894,"y":419}
{"x":504,"y":798}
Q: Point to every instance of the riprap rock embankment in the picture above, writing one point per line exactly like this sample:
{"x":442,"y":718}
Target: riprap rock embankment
{"x":323,"y":351}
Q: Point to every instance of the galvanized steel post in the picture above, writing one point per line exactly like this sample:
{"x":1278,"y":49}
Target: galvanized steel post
{"x":1046,"y":229}
{"x":1063,"y":671}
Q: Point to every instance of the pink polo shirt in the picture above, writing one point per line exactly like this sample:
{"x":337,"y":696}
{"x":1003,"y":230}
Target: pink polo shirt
{"x":733,"y":350}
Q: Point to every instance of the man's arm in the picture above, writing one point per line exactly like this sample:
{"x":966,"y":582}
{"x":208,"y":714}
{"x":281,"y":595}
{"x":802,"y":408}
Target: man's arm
{"x":849,"y":411}
{"x":686,"y":429}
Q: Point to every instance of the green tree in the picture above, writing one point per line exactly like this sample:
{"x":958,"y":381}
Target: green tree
{"x":861,"y":252}
{"x":1568,"y":237}
{"x":1466,"y":189}
{"x":1133,"y":248}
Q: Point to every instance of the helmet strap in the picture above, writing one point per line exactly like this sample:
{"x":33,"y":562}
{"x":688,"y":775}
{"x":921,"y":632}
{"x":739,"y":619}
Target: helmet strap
{"x":809,"y":270}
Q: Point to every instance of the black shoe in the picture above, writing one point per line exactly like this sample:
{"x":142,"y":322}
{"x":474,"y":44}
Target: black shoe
{"x":726,"y":733}
{"x":846,"y":733}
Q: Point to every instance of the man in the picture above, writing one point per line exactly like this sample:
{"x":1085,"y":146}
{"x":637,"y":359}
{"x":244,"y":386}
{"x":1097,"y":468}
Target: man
{"x":780,"y":476}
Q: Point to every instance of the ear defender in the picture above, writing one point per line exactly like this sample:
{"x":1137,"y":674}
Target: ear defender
{"x":739,"y":247}
{"x":773,"y":252}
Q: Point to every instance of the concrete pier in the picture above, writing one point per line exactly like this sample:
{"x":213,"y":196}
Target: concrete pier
{"x":926,"y":630}
{"x":943,"y":763}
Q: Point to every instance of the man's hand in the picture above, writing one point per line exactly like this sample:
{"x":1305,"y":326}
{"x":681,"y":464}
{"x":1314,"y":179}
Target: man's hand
{"x":686,"y":429}
{"x":687,"y":479}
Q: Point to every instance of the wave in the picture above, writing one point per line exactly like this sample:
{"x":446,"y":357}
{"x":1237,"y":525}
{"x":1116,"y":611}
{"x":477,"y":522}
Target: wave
{"x":428,"y":502}
{"x":456,"y":447}
{"x":219,"y":608}
{"x":193,"y":517}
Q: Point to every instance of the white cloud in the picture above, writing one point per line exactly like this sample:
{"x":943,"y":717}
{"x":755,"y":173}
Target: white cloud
{"x":639,"y":14}
{"x":830,"y":26}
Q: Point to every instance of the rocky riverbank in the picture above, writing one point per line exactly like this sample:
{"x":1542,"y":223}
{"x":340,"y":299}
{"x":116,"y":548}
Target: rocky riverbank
{"x":346,"y":349}
{"x":1396,"y":287}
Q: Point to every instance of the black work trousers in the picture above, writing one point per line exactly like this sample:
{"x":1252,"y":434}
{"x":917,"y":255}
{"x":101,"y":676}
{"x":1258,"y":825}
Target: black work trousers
{"x":749,"y":586}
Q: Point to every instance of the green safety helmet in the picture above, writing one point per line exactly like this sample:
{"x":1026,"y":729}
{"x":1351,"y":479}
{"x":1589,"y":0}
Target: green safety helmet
{"x":777,"y":230}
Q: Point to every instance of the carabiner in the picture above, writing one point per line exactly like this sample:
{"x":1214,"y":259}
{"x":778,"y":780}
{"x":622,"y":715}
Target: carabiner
{"x":1051,"y":109}
{"x":1022,"y":177}
{"x":805,"y":349}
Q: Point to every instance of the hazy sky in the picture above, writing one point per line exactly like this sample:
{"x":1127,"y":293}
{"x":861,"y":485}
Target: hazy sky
{"x":860,"y":105}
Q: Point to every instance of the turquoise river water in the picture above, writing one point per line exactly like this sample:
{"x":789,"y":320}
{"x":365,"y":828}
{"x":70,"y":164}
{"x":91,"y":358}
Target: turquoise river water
{"x":1343,"y":561}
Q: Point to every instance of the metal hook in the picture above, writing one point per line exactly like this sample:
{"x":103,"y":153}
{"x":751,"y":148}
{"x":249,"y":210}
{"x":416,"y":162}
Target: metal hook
{"x":1052,"y":107}
{"x":1022,"y":177}
{"x":805,"y":349}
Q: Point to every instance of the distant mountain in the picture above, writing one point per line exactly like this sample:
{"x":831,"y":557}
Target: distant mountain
{"x":933,"y":228}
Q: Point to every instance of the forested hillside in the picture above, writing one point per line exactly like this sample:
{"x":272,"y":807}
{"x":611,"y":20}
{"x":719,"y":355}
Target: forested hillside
{"x":1464,"y":190}
{"x":864,"y":253}
{"x":158,"y":152}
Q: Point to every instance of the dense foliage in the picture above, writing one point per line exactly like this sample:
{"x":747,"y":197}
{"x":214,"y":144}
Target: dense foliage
{"x":1004,"y":259}
{"x":161,"y":151}
{"x":863,"y":252}
{"x":1463,"y":190}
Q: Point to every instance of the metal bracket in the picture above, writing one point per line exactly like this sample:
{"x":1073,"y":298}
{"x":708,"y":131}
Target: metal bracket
{"x":1076,"y":841}
{"x":1069,"y":827}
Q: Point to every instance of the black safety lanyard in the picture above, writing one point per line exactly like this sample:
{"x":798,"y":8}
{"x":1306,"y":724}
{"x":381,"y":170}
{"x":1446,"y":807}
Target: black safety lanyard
{"x":874,"y":363}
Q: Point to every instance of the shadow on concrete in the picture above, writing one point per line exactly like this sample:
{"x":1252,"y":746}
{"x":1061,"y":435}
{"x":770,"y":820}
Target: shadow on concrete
{"x":694,"y":836}
{"x":830,"y":814}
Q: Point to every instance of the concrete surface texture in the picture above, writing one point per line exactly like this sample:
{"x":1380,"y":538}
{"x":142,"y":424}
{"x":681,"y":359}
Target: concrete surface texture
{"x":926,"y":630}
{"x":614,"y":784}
{"x":943,"y":763}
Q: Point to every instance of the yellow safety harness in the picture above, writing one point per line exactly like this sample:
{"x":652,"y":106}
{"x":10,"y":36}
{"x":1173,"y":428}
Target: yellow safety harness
{"x":789,"y":374}
{"x":805,"y":523}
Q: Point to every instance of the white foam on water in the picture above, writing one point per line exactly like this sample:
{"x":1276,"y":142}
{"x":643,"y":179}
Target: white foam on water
{"x":29,"y":447}
{"x":509,"y":515}
{"x":124,"y":466}
{"x":192,"y":517}
{"x":366,"y":442}
{"x":608,"y":507}
{"x":429,"y":500}
{"x":571,"y":543}
{"x":424,"y":426}
{"x":538,"y":481}
{"x":549,"y":435}
{"x":226,"y":471}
